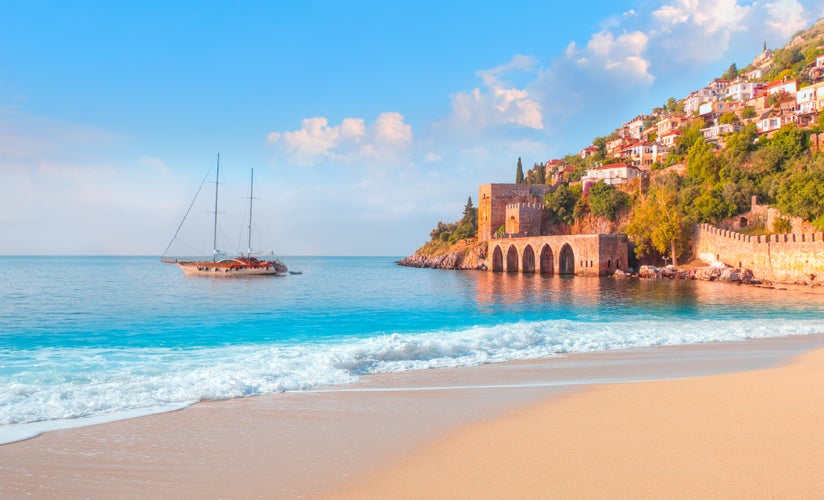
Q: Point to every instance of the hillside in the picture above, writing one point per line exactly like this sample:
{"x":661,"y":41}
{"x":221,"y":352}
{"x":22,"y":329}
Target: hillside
{"x":755,"y":133}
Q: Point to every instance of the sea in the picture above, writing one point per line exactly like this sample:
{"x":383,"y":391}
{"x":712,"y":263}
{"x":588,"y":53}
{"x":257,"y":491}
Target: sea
{"x":91,"y":339}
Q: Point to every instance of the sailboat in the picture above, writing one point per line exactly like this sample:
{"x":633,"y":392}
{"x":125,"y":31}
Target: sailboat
{"x":239,"y":266}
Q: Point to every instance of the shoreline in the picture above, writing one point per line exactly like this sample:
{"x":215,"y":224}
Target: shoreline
{"x":317,"y":442}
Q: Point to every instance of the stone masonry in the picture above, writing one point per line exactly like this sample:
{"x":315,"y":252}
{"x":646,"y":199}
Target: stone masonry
{"x":784,"y":258}
{"x":492,"y":206}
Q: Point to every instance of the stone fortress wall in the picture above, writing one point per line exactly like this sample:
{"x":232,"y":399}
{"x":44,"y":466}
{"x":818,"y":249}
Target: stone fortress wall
{"x":524,"y":219}
{"x":519,"y":209}
{"x":785,"y":258}
{"x":492,"y":206}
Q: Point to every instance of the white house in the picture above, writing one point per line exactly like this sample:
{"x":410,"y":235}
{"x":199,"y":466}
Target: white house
{"x":742,"y":90}
{"x":614,"y":173}
{"x":805,"y":99}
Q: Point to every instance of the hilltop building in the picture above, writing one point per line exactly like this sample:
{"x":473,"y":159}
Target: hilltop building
{"x":612,"y":174}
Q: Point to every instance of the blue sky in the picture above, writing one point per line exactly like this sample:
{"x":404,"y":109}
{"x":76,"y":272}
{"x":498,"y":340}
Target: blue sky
{"x":366,"y":122}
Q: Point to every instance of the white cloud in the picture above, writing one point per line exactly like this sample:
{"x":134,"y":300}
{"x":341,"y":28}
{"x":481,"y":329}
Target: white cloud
{"x":497,"y":103}
{"x":390,"y":129}
{"x":696,"y":30}
{"x":494,"y":77}
{"x":432,"y":157}
{"x":317,"y":141}
{"x":311,"y":143}
{"x":786,"y":17}
{"x":622,"y":56}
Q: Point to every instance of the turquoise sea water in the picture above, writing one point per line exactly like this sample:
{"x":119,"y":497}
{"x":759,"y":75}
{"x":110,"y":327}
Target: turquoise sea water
{"x":88,"y":337}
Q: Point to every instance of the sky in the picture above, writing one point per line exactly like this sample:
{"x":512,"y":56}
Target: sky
{"x":366,"y":122}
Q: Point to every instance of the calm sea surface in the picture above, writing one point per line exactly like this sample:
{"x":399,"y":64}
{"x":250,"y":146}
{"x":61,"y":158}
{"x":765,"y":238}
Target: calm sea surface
{"x":101,"y":336}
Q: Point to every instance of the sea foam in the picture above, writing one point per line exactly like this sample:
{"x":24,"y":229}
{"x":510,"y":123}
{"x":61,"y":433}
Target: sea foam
{"x":58,"y":385}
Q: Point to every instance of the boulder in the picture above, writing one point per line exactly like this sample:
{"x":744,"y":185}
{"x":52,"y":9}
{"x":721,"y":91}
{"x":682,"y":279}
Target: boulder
{"x":729,"y":275}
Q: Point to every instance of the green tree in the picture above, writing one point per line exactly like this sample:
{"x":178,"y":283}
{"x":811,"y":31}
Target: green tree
{"x":442,"y":231}
{"x":748,"y":112}
{"x":657,"y":224}
{"x":561,"y":203}
{"x":540,"y":173}
{"x":710,"y":207}
{"x":674,"y":107}
{"x":467,"y":227}
{"x":738,"y":146}
{"x":789,"y":141}
{"x":519,"y":173}
{"x":605,"y":200}
{"x":703,"y":164}
{"x":728,"y":118}
{"x":688,"y":137}
{"x":731,"y":73}
{"x":802,"y":194}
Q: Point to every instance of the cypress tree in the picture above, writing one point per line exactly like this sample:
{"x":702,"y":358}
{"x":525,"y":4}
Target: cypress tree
{"x":519,"y":173}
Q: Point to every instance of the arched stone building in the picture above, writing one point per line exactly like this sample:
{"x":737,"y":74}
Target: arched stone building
{"x":583,"y":255}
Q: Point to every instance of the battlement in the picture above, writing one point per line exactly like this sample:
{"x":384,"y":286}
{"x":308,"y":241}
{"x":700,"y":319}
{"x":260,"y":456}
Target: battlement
{"x":768,"y":238}
{"x":494,"y":201}
{"x":524,"y":206}
{"x":788,"y":258}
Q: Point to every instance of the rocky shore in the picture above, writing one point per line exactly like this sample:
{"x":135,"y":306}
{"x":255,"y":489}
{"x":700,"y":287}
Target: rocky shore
{"x":712,"y":272}
{"x":463,"y":255}
{"x":452,"y":260}
{"x":708,"y":273}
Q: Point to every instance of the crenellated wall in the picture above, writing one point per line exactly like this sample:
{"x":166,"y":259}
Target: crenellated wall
{"x":524,"y":219}
{"x":494,"y":198}
{"x":785,"y":258}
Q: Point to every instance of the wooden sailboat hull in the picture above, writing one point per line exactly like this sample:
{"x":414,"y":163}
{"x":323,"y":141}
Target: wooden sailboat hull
{"x":233,"y":268}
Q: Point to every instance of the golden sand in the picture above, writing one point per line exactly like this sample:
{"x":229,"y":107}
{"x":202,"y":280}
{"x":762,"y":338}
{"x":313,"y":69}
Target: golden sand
{"x":754,"y":434}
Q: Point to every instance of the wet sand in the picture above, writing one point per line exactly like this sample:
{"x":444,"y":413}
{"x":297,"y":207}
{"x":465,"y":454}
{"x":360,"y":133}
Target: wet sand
{"x":380,"y":437}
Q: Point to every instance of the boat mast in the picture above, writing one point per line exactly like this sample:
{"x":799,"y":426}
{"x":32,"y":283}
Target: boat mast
{"x":214,"y":231}
{"x":251,"y":197}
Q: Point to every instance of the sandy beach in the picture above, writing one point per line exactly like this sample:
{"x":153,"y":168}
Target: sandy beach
{"x":755,"y":434}
{"x":591,"y":425}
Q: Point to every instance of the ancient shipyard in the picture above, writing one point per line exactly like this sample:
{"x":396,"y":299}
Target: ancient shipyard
{"x":524,"y":246}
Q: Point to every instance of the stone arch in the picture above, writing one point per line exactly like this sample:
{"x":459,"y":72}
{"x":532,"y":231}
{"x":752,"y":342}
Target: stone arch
{"x":498,"y":259}
{"x":546,"y":263}
{"x":512,"y":259}
{"x":528,"y":260}
{"x":566,"y":260}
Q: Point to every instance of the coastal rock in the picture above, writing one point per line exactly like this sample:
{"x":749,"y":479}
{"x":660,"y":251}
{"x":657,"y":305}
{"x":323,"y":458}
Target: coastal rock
{"x":729,"y":275}
{"x":452,"y":260}
{"x":466,"y":254}
{"x":649,"y":272}
{"x":704,"y":274}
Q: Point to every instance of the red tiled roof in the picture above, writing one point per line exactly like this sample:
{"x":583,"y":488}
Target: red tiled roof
{"x":778,"y":83}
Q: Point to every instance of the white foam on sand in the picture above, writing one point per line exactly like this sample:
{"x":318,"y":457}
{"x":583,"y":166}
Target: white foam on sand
{"x":13,"y":433}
